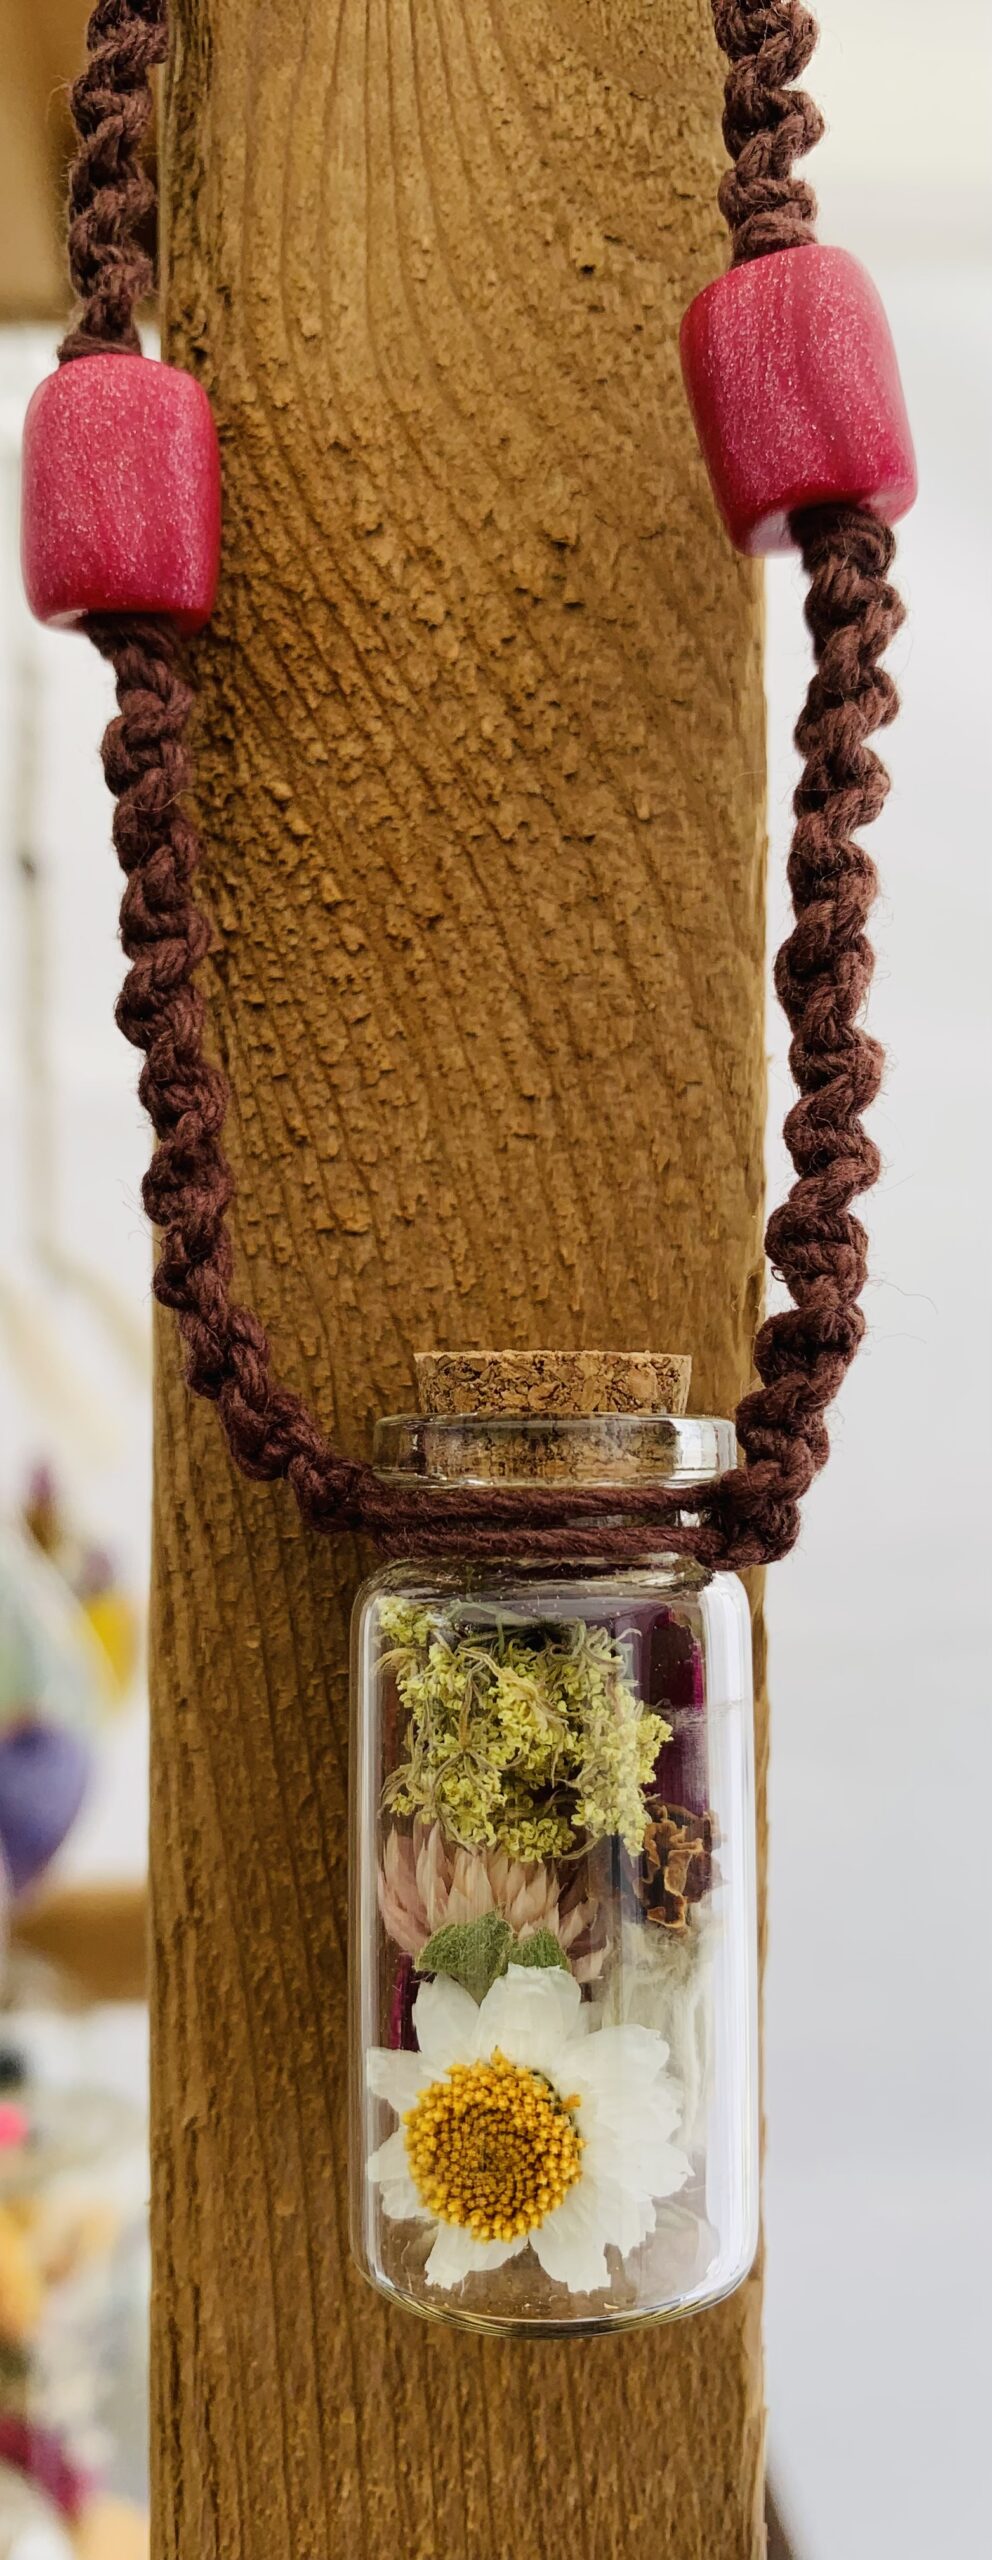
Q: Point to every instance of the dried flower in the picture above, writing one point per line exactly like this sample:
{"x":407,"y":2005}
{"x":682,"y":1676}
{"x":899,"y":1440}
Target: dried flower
{"x":676,"y":1867}
{"x":425,"y":1885}
{"x":518,"y":2130}
{"x":533,"y":1741}
{"x":661,"y":1979}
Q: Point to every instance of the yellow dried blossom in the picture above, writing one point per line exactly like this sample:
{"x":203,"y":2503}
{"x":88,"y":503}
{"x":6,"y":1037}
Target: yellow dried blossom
{"x":529,"y":1739}
{"x":493,"y":2148}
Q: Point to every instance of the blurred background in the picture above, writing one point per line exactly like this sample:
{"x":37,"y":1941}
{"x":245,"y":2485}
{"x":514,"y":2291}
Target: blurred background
{"x":877,"y":2061}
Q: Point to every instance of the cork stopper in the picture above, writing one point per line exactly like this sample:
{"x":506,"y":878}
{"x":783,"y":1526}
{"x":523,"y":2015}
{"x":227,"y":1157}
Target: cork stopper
{"x":526,"y":1417}
{"x":554,"y":1383}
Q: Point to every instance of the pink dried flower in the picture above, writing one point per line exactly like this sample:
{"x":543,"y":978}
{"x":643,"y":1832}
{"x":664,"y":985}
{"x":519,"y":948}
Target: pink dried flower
{"x":426,"y":1884}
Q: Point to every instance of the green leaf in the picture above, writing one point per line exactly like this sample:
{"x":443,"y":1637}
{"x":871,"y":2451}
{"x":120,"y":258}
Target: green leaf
{"x":476,"y":1952}
{"x":542,"y":1950}
{"x":473,"y":1952}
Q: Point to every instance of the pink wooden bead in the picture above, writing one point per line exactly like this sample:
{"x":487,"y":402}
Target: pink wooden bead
{"x":794,"y":387}
{"x":120,"y":493}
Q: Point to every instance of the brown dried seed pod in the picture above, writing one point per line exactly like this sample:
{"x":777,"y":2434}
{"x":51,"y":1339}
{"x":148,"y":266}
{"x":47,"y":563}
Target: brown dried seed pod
{"x":676,"y":1867}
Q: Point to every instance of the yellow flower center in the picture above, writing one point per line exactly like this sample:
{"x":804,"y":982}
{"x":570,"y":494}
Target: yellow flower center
{"x":493,"y":2147}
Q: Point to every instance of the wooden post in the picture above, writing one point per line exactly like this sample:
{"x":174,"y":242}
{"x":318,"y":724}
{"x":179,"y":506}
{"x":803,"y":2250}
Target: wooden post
{"x":481,"y":783}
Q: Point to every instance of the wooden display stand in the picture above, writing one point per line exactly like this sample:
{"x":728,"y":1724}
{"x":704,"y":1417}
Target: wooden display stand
{"x":480,"y":773}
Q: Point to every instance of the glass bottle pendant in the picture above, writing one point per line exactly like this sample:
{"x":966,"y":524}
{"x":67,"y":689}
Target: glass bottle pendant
{"x":554,"y":2118}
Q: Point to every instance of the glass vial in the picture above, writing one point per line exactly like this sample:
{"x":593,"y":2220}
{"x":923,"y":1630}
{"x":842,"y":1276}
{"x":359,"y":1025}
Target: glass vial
{"x":554,"y":1960}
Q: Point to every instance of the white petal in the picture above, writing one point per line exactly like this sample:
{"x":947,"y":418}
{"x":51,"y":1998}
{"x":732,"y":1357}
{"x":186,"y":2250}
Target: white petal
{"x":655,"y":2115}
{"x":445,"y":2019}
{"x":635,"y":2122}
{"x":570,"y":2243}
{"x":637,"y":2156}
{"x":398,"y":2077}
{"x":626,"y":2214}
{"x":670,"y":2170}
{"x":531,"y":2015}
{"x":631,"y":2165}
{"x":620,"y":2061}
{"x":401,"y":2203}
{"x":390,"y":2161}
{"x":625,"y":2217}
{"x":389,"y":2169}
{"x":456,"y":2254}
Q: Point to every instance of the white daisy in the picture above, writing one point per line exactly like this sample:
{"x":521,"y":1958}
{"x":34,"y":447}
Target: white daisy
{"x":520,"y":2129}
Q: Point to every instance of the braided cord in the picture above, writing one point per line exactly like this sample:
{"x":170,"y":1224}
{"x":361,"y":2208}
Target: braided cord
{"x":110,"y":191}
{"x":750,"y":1515}
{"x":767,"y":124}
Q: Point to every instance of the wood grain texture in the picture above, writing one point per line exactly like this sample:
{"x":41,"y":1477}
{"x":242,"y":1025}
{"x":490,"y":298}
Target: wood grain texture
{"x":481,"y":784}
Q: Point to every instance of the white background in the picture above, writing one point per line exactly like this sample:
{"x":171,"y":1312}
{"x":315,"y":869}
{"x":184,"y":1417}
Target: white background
{"x":878,"y":2080}
{"x":879,"y":2089}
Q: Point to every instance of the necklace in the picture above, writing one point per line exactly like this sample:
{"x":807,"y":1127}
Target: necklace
{"x":793,"y":383}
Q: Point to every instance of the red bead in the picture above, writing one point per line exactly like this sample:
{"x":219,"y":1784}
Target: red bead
{"x":120,"y":493}
{"x":794,"y":387}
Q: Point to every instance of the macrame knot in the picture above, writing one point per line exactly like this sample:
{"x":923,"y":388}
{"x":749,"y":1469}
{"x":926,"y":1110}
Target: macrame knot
{"x":746,"y":27}
{"x":767,"y":125}
{"x":110,"y":191}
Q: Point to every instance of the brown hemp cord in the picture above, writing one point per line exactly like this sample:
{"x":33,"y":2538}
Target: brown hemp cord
{"x":750,"y":1515}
